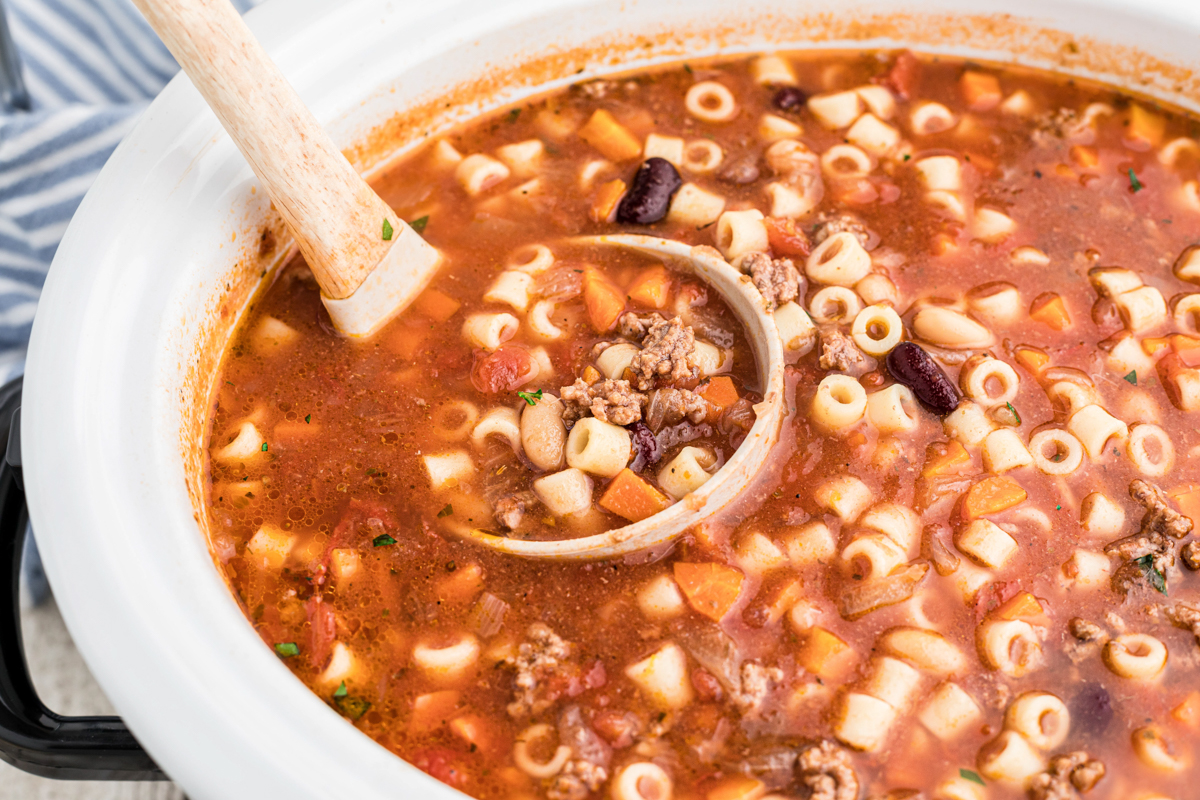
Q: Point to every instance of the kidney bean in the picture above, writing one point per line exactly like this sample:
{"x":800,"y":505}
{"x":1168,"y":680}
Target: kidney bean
{"x":913,"y":367}
{"x":645,"y":447}
{"x":1091,"y":709}
{"x":789,"y":98}
{"x":650,"y":195}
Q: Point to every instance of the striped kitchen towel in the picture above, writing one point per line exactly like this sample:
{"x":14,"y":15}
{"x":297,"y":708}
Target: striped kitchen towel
{"x":81,"y":72}
{"x":89,"y":69}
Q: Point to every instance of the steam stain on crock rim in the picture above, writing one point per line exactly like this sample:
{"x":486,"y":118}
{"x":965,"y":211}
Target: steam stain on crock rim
{"x":994,"y":37}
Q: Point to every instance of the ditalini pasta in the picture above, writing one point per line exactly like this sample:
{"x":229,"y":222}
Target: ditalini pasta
{"x":967,"y":570}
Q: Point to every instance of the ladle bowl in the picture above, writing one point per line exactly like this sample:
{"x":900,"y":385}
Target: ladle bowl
{"x":739,"y":472}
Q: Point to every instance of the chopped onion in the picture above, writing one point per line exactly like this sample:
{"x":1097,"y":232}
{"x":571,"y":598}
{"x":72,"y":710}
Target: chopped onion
{"x":871,"y":595}
{"x":489,"y":615}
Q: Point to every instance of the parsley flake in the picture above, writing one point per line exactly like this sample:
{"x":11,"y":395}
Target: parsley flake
{"x":514,"y":115}
{"x":1016,"y":416}
{"x":382,"y":540}
{"x":419,"y":224}
{"x":1153,"y":576}
{"x":387,"y":230}
{"x":352,"y":707}
{"x":307,"y":418}
{"x":971,"y":775}
{"x":907,"y":156}
{"x":530,"y":398}
{"x":1131,"y":377}
{"x":340,"y":691}
{"x":446,"y":512}
{"x":1134,"y":184}
{"x":287,"y":649}
{"x":264,"y":447}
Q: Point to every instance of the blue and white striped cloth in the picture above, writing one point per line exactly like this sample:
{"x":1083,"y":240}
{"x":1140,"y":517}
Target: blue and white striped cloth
{"x":89,"y":67}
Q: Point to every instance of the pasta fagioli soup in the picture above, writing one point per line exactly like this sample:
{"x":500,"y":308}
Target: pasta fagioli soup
{"x":970,"y":573}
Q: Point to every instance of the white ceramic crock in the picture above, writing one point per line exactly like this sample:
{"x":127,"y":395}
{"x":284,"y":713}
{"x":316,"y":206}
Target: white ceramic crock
{"x":153,"y":255}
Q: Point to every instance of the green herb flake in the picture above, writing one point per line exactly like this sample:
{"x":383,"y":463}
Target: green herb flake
{"x":514,"y":115}
{"x":688,"y":69}
{"x":1131,"y":377}
{"x":387,"y":230}
{"x":1134,"y":184}
{"x":352,"y":707}
{"x":307,"y":418}
{"x":907,"y":156}
{"x":287,"y":649}
{"x":340,"y":691}
{"x":971,"y":775}
{"x":1058,"y":508}
{"x":264,"y":447}
{"x":382,"y":540}
{"x":1016,"y":416}
{"x":1153,"y":576}
{"x":530,"y":398}
{"x":419,"y":224}
{"x":446,"y":512}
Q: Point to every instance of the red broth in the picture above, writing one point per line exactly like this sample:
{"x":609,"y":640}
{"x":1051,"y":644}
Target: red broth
{"x":974,"y":577}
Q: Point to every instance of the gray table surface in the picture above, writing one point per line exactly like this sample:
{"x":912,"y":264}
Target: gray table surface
{"x":66,"y":686}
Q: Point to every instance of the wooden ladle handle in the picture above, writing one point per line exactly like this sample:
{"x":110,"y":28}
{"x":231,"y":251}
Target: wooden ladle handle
{"x":335,"y":217}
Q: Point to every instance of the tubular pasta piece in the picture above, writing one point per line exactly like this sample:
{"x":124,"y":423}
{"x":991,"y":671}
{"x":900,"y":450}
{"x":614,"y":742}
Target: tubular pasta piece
{"x":710,"y":101}
{"x":449,"y":663}
{"x":1066,"y":456}
{"x":663,"y":677}
{"x":447,"y":470}
{"x":642,"y":780}
{"x":772,"y":70}
{"x":566,"y":492}
{"x":531,"y":259}
{"x":694,"y":206}
{"x":1010,"y":646}
{"x":1009,"y":759}
{"x":873,"y":135}
{"x":665,"y":147}
{"x":840,"y":402}
{"x":877,"y":330}
{"x":840,"y":260}
{"x":1094,"y":426}
{"x":537,"y":769}
{"x":489,"y":331}
{"x":702,"y":156}
{"x":1151,"y":464}
{"x":687,"y":472}
{"x":929,"y":117}
{"x":846,"y":162}
{"x":502,"y":422}
{"x":834,"y":304}
{"x":1137,"y":656}
{"x":444,"y":425}
{"x":845,"y":495}
{"x":796,"y":330}
{"x":598,"y":447}
{"x":1041,"y":717}
{"x":247,"y":445}
{"x":512,"y":288}
{"x":837,"y":110}
{"x":893,"y":410}
{"x":978,"y":372}
{"x":741,"y":232}
{"x":940,"y":173}
{"x":539,"y":322}
{"x":523,"y":158}
{"x":477,"y":173}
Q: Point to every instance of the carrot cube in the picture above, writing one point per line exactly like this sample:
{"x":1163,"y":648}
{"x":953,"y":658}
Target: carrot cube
{"x":719,"y":391}
{"x":604,"y":204}
{"x":1145,"y":126}
{"x":432,"y":711}
{"x":1188,"y":712}
{"x":737,"y":787}
{"x":436,"y":305}
{"x":710,"y":589}
{"x":629,"y":495}
{"x":992,"y":495}
{"x":1048,"y":308}
{"x":1085,"y":157}
{"x":824,"y":654}
{"x":1031,"y":358}
{"x":1021,"y":606}
{"x":472,"y":729}
{"x":1187,"y":348}
{"x":604,"y":301}
{"x":942,"y":459}
{"x":1153,"y":345}
{"x":651,"y":288}
{"x":611,"y":138}
{"x":980,"y":91}
{"x":406,"y":342}
{"x":1188,"y":500}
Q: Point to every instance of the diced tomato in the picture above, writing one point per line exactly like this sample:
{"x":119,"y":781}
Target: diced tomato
{"x":441,"y":763}
{"x":620,"y":728}
{"x":786,"y":239}
{"x":707,"y":687}
{"x":903,"y":76}
{"x":505,"y":370}
{"x":595,"y":677}
{"x":322,"y":630}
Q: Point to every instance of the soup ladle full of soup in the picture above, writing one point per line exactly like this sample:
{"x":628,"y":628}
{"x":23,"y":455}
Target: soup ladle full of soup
{"x":371,"y":265}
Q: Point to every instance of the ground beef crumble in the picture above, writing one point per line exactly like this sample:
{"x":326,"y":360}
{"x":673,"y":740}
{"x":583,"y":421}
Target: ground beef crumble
{"x":1067,"y":777}
{"x":667,"y":352}
{"x":1085,"y":631}
{"x":607,"y":400}
{"x":587,"y":770}
{"x":828,"y":772}
{"x":634,"y":326}
{"x":669,"y":406}
{"x":776,"y":279}
{"x":1191,"y":555}
{"x":509,"y":511}
{"x":537,"y":659}
{"x":828,"y":225}
{"x":1183,"y":614}
{"x":757,"y":683}
{"x":838,"y":351}
{"x":1160,"y":526}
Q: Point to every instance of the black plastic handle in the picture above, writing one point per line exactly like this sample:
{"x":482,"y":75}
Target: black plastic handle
{"x":32,"y":737}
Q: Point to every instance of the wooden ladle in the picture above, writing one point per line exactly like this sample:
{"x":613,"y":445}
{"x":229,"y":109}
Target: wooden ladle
{"x":369,"y":263}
